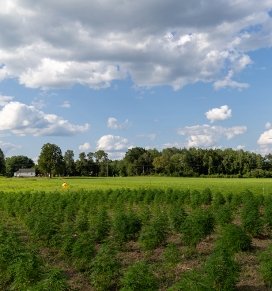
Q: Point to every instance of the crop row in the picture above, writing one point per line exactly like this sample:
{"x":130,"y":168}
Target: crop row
{"x":137,"y":239}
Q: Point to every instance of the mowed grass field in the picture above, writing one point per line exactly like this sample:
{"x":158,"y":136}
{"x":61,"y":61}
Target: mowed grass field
{"x":223,"y":185}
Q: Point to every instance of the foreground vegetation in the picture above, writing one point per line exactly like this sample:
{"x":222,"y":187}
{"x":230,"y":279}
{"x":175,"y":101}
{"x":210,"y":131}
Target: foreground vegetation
{"x":135,"y":239}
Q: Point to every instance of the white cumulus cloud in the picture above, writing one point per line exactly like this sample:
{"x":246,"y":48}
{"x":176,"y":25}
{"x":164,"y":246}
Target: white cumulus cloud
{"x":208,"y":136}
{"x":51,"y":44}
{"x":22,"y":119}
{"x":84,"y":147}
{"x":113,"y":123}
{"x":111,"y":143}
{"x":5,"y":100}
{"x":221,"y":113}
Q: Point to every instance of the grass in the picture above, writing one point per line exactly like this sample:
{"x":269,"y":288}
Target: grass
{"x":224,"y":185}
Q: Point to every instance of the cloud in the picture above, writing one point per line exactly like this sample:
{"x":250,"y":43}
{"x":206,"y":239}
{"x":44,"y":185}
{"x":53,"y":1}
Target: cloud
{"x":84,"y":147}
{"x":53,"y":44}
{"x":5,"y":100}
{"x":268,"y":125}
{"x":7,"y":147}
{"x":222,"y":113}
{"x":114,"y":124}
{"x":228,"y":82}
{"x":112,"y":143}
{"x":21,"y":119}
{"x":65,"y":104}
{"x":208,"y":136}
{"x":150,"y":136}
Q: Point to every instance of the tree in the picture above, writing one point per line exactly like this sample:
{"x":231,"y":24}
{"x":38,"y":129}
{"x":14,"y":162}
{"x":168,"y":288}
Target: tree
{"x":2,"y":163}
{"x":102,"y":161}
{"x":50,"y":161}
{"x":69,"y":163}
{"x":82,"y":166}
{"x":15,"y":163}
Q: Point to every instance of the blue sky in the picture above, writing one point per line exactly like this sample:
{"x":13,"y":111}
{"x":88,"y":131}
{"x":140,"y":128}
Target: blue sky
{"x":113,"y":74}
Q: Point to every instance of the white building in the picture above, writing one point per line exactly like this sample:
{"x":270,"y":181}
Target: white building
{"x":25,"y":173}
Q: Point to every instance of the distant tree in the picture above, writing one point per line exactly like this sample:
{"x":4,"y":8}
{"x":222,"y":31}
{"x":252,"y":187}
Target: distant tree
{"x":69,"y":163}
{"x":82,"y":166}
{"x":2,"y":163}
{"x":15,"y":163}
{"x":50,"y":161}
{"x":102,"y":162}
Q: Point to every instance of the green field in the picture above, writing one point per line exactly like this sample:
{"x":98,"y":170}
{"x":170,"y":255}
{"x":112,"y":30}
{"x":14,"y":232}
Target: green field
{"x":224,"y":185}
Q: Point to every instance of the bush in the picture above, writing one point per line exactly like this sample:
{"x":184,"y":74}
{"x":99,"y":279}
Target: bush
{"x":197,"y":226}
{"x":268,"y":212}
{"x":55,"y":281}
{"x":206,"y":196}
{"x":265,"y":259}
{"x":223,"y":214}
{"x":154,"y":234}
{"x":234,"y":239}
{"x":193,"y":281}
{"x":126,"y":226}
{"x":105,"y":268}
{"x":250,"y":217}
{"x":222,"y":271}
{"x":177,"y":217}
{"x":218,"y":199}
{"x":83,"y":251}
{"x":171,"y":254}
{"x":139,"y":277}
{"x":100,"y":225}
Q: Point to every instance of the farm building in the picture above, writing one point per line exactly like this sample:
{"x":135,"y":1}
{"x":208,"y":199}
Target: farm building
{"x":25,"y":173}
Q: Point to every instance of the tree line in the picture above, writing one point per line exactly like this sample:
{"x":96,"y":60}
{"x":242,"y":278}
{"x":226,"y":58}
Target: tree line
{"x":180,"y":162}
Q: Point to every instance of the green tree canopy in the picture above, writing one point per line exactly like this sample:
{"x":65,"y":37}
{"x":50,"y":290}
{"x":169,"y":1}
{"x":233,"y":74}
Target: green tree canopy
{"x":50,"y":161}
{"x":2,"y":163}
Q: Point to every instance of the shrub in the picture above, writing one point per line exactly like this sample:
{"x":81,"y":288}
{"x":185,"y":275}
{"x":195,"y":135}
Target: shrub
{"x":265,"y":259}
{"x":126,"y":226}
{"x":154,"y":234}
{"x":195,"y":198}
{"x":105,"y":268}
{"x":177,"y":217}
{"x":222,"y":271}
{"x":197,"y":226}
{"x":234,"y":239}
{"x":139,"y":277}
{"x":171,"y":254}
{"x":100,"y":225}
{"x":206,"y":196}
{"x":218,"y":199}
{"x":223,"y":214}
{"x":83,"y":251}
{"x":55,"y":281}
{"x":268,"y":212}
{"x":250,"y":217}
{"x":192,"y":280}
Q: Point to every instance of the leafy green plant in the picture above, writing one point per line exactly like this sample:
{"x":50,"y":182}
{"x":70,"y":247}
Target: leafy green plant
{"x":223,"y":214}
{"x":177,"y":217}
{"x":105,"y":268}
{"x":197,"y":226}
{"x":265,"y":259}
{"x":100,"y":225}
{"x":154,"y":234}
{"x":234,"y":239}
{"x":126,"y":226}
{"x":222,"y":270}
{"x":250,"y":217}
{"x":139,"y":277}
{"x":171,"y":254}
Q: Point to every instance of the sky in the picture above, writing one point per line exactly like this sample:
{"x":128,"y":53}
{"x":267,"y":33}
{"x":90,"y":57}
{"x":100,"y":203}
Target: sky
{"x":115,"y":74}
